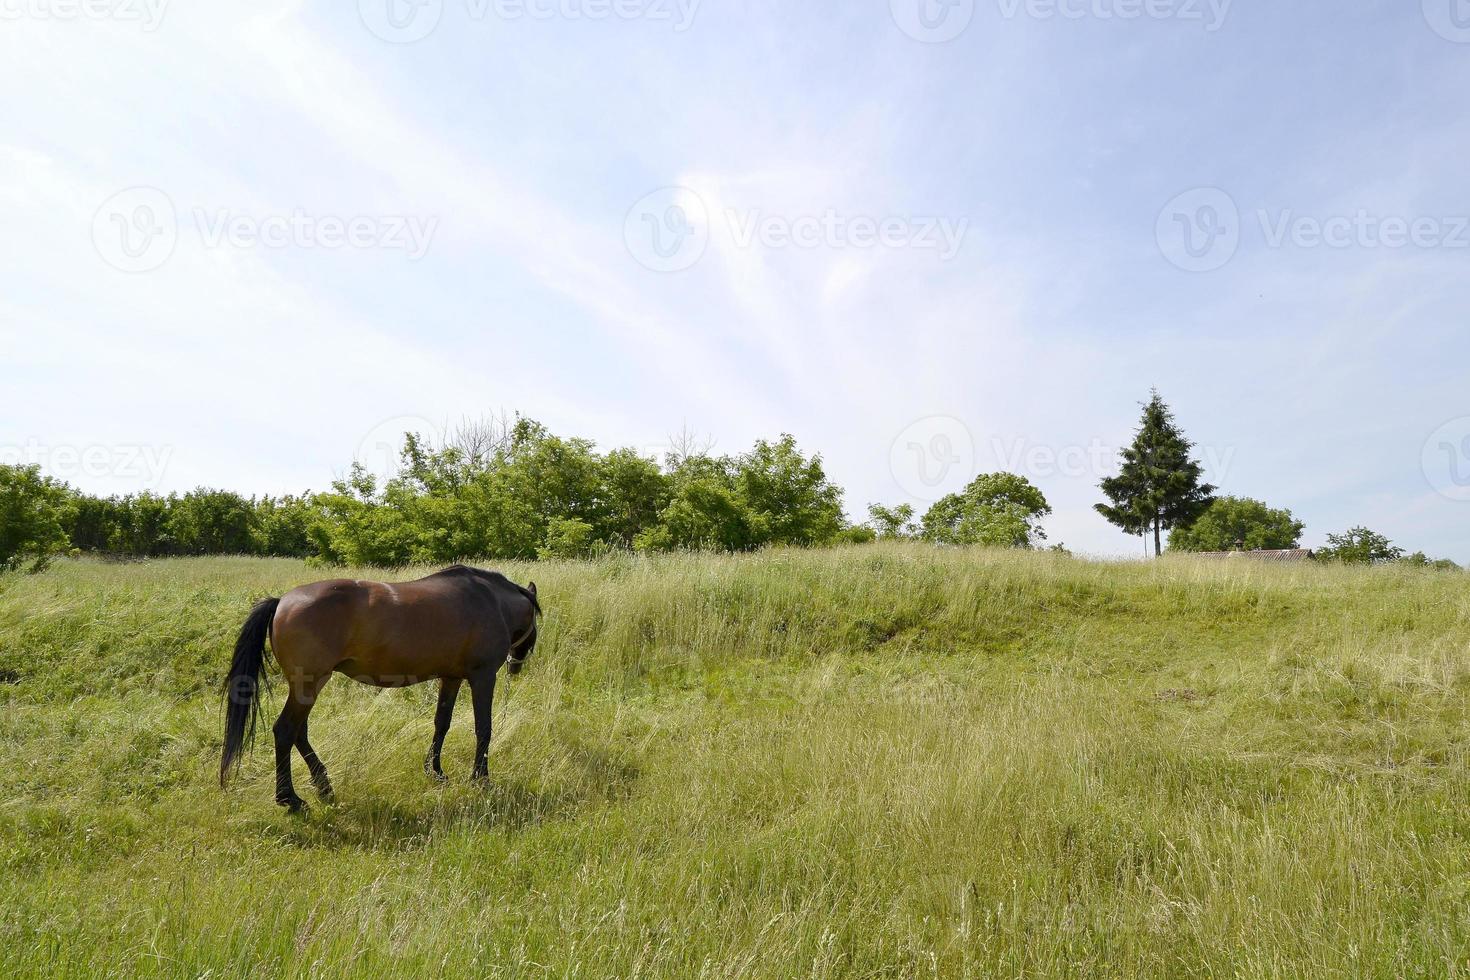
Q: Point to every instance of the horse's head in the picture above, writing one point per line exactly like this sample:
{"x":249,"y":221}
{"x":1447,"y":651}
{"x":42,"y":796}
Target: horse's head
{"x":522,"y":646}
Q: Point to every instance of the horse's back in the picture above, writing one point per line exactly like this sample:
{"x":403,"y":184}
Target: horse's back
{"x":377,"y":628}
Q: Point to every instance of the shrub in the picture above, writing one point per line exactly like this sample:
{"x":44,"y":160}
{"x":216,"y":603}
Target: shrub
{"x":32,"y":508}
{"x":1239,"y":522}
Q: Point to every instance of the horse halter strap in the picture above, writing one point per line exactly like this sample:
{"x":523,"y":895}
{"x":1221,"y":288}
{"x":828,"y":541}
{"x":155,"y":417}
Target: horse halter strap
{"x":511,"y":656}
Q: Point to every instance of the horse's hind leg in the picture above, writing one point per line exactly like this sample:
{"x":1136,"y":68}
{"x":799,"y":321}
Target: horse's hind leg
{"x":287,"y":729}
{"x":448,"y":691}
{"x":318,"y":771}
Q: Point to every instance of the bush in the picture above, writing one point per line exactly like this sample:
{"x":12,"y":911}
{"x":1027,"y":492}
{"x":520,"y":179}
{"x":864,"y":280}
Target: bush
{"x":568,"y":538}
{"x":997,"y":509}
{"x":212,"y":522}
{"x":1359,"y":546}
{"x":32,"y":509}
{"x":1233,"y":523}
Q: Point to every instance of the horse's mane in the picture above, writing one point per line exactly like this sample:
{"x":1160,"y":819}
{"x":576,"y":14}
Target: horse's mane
{"x":466,"y":571}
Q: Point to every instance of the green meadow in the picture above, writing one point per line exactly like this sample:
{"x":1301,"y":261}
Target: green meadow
{"x":876,"y":761}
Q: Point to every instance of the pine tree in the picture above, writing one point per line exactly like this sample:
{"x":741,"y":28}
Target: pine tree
{"x":1158,"y":487}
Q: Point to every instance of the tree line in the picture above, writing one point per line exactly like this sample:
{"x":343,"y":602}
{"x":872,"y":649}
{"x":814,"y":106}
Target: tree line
{"x":500,"y":490}
{"x":1159,"y":487}
{"x":512,"y":489}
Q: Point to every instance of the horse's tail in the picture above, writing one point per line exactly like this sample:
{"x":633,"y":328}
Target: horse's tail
{"x":242,"y":686}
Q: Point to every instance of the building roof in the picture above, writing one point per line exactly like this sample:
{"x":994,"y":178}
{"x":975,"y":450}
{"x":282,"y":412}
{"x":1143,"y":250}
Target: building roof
{"x":1293,"y":554}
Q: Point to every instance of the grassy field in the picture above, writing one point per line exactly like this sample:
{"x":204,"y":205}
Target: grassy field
{"x":886,"y":761}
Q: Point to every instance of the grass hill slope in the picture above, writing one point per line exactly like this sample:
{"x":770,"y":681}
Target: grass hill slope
{"x":879,"y":761}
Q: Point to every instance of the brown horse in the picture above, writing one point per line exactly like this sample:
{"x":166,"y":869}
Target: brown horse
{"x":458,"y":625}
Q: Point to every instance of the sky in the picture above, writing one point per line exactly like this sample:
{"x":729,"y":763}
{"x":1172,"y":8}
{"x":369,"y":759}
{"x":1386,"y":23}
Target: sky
{"x":243,"y":244}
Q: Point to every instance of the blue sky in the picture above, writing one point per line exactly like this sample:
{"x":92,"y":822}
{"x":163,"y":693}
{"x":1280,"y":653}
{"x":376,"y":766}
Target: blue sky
{"x":240,"y":244}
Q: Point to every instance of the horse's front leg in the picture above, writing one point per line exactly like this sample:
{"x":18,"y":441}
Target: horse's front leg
{"x":448,"y":692}
{"x":482,"y":693}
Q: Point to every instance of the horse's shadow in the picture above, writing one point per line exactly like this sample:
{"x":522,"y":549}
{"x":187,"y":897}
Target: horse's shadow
{"x":368,"y":820}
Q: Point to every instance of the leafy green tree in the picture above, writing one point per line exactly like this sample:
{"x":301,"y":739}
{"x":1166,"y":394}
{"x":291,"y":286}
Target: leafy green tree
{"x":212,"y":522}
{"x":892,"y":523}
{"x":91,"y":522}
{"x":360,"y":525}
{"x":706,"y":513}
{"x":498,"y":521}
{"x":141,"y":529}
{"x":789,"y":496}
{"x":32,"y":508}
{"x":1360,"y":546}
{"x":1158,"y":486}
{"x":1233,"y":523}
{"x":996,"y":509}
{"x":633,"y":492}
{"x":557,"y":477}
{"x":283,"y":526}
{"x":772,"y":495}
{"x":569,"y":538}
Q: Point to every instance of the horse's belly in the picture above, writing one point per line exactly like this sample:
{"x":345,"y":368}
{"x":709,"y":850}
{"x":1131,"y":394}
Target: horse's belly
{"x":366,"y":672}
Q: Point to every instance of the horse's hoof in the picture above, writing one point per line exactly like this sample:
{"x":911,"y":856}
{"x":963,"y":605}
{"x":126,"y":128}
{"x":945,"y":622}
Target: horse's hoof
{"x":293,"y":804}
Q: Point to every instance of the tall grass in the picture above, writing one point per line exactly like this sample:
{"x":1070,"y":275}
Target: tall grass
{"x":885,"y":761}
